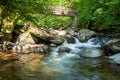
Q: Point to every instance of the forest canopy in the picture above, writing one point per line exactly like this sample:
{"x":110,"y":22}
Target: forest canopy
{"x":87,"y":13}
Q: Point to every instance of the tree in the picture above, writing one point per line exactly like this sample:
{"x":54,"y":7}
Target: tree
{"x":97,"y":13}
{"x":12,"y":10}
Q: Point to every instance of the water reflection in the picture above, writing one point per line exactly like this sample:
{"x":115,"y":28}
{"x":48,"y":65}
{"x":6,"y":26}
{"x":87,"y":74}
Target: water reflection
{"x":68,"y":66}
{"x":79,"y":70}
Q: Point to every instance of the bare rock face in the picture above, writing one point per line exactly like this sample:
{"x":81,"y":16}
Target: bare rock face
{"x":45,"y":35}
{"x":26,"y":38}
{"x":112,"y":46}
{"x":85,"y":34}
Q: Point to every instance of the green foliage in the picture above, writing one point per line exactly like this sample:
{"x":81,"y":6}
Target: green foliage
{"x":90,"y":13}
{"x":97,"y":13}
{"x":30,"y":10}
{"x":112,"y":14}
{"x":47,"y":21}
{"x":85,"y":10}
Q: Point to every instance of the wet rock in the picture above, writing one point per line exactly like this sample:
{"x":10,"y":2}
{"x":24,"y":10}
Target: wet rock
{"x":64,"y":49}
{"x":85,"y":34}
{"x":5,"y":46}
{"x":30,"y":48}
{"x":112,"y":47}
{"x":116,"y":58}
{"x":91,"y":53}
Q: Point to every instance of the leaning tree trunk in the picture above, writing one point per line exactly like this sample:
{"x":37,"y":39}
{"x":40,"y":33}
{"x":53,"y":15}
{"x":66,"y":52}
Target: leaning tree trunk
{"x":62,"y":11}
{"x":7,"y":24}
{"x":1,"y":11}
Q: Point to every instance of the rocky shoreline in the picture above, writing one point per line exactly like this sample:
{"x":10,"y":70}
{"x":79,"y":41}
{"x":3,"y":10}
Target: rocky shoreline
{"x":36,"y":40}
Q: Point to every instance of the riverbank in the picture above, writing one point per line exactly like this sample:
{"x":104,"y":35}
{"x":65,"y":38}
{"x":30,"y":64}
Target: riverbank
{"x":60,"y":54}
{"x":80,"y":62}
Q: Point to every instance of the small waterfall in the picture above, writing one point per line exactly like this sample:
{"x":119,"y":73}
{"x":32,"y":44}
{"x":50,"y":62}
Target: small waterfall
{"x":65,"y":42}
{"x":76,"y":40}
{"x":63,"y":63}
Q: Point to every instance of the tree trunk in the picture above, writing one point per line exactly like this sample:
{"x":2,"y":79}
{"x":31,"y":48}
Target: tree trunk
{"x":59,"y":11}
{"x":1,"y":11}
{"x":7,"y":24}
{"x":62,"y":11}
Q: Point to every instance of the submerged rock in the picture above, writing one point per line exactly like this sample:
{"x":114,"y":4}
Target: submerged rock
{"x":92,"y":53}
{"x":116,"y":58}
{"x":112,"y":46}
{"x":85,"y":34}
{"x":64,"y":49}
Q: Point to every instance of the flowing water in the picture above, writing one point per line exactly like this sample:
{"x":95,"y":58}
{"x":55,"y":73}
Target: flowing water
{"x":64,"y":66}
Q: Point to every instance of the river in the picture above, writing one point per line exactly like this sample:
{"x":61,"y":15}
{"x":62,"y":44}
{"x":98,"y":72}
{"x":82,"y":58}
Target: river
{"x":64,"y":66}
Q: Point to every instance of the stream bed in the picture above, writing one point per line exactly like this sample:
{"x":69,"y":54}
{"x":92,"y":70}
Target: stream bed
{"x":63,"y":65}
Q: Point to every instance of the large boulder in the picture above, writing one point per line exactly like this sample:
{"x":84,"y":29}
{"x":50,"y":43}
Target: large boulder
{"x":85,"y":34}
{"x":112,"y":46}
{"x":91,"y":53}
{"x":26,"y":38}
{"x":45,"y":35}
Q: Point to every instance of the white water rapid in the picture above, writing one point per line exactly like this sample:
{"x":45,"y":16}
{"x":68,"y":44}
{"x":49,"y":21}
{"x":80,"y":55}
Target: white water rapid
{"x":64,"y":63}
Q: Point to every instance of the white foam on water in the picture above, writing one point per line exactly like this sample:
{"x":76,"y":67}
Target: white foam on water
{"x":62,"y":62}
{"x":76,"y":40}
